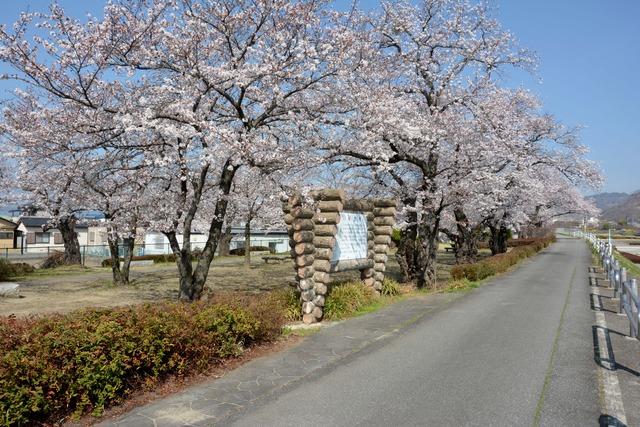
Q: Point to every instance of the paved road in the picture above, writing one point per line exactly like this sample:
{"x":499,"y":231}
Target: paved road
{"x":516,"y":352}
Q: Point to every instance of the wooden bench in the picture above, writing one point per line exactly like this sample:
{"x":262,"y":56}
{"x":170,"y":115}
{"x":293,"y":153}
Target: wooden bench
{"x":450,"y":249}
{"x":275,"y":258}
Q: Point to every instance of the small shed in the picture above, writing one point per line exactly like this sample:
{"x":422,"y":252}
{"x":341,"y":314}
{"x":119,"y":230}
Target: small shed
{"x":8,"y":234}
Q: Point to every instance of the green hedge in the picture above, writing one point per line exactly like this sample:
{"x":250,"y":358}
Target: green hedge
{"x":157,"y":259}
{"x":9,"y":270}
{"x":499,"y":263}
{"x":240,"y":251}
{"x":514,"y":243}
{"x":58,"y":365}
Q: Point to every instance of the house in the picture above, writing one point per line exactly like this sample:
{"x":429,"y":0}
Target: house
{"x":97,"y":235}
{"x":277,"y":240}
{"x":35,"y":239}
{"x":157,"y":243}
{"x":8,"y":234}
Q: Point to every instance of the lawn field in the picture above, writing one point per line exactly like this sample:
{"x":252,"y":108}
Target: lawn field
{"x":69,"y":288}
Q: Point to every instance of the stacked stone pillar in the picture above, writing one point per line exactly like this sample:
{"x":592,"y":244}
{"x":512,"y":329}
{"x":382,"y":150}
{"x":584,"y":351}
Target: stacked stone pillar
{"x":328,"y":204}
{"x":300,"y":227}
{"x":384,"y":213}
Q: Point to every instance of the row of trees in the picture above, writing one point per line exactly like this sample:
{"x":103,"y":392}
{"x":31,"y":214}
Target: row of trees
{"x":172,"y":115}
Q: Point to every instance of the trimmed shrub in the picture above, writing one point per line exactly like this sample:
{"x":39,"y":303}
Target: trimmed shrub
{"x":59,"y":365}
{"x":499,"y":263}
{"x":473,"y":272}
{"x":240,"y":251}
{"x":10,"y":269}
{"x":631,"y":257}
{"x":53,"y":260}
{"x":346,"y":299}
{"x":514,"y":243}
{"x":157,"y":259}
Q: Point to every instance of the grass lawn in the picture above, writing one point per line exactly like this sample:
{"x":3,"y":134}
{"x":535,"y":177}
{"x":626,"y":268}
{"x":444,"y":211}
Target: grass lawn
{"x":68,"y":288}
{"x":633,"y":269}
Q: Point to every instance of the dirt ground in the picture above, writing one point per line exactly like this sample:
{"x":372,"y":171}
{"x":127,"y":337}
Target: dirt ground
{"x":70,"y":288}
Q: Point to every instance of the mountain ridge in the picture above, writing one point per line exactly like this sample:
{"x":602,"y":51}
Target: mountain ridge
{"x":616,"y":206}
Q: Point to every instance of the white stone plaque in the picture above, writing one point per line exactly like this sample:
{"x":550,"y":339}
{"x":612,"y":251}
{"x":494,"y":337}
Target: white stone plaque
{"x":351,"y":238}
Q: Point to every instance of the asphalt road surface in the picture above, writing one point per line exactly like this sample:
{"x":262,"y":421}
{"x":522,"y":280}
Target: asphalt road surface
{"x":516,"y":352}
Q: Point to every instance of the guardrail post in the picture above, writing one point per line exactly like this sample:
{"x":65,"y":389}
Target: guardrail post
{"x":623,"y":295}
{"x":634,"y":321}
{"x":612,"y":272}
{"x":621,"y":281}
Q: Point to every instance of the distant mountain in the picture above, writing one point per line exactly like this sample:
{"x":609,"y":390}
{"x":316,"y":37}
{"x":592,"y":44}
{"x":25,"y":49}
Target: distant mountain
{"x":605,"y":201}
{"x":628,"y":209}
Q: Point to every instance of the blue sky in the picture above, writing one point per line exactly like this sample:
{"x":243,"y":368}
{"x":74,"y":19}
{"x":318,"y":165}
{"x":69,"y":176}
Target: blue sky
{"x":589,"y":65}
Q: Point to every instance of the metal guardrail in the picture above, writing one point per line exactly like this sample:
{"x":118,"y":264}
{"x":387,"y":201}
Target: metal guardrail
{"x":624,"y":288}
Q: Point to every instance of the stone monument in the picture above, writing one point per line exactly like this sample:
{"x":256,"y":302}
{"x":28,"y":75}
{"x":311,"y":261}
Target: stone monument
{"x":330,"y":233}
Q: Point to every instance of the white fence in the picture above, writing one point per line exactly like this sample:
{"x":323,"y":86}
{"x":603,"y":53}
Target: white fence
{"x":624,"y":288}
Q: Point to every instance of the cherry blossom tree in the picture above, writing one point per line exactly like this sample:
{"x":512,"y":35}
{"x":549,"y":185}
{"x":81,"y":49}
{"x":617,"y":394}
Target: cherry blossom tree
{"x":514,"y":149}
{"x":45,"y":166}
{"x":178,"y":107}
{"x":209,"y":86}
{"x":432,"y":58}
{"x":114,"y":188}
{"x":256,"y":202}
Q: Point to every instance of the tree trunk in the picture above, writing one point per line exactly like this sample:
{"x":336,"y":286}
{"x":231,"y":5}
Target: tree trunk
{"x":405,"y":255}
{"x":426,"y":249}
{"x":224,"y":244}
{"x":466,"y":240}
{"x":247,"y":243}
{"x":192,"y":281}
{"x":429,"y":227}
{"x":128,"y":244}
{"x":118,"y":279}
{"x":67,"y":228}
{"x":498,"y":239}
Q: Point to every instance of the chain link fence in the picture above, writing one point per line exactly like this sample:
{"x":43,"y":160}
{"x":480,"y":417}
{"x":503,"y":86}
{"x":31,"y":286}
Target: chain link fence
{"x":92,"y":255}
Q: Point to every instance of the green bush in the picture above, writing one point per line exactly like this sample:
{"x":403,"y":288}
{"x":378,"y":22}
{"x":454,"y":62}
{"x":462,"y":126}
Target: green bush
{"x":344,"y":300}
{"x":512,"y":243}
{"x":289,"y":300}
{"x":499,"y":263}
{"x":240,"y":251}
{"x":53,"y":260}
{"x":390,"y":287}
{"x":157,"y":259}
{"x":9,"y":270}
{"x":59,"y":365}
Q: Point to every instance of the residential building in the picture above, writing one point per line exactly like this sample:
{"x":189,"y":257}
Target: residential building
{"x":277,"y":240}
{"x":35,"y":239}
{"x":8,"y":234}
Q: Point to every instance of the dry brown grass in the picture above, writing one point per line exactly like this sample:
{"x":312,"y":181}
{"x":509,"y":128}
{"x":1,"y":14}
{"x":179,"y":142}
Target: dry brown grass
{"x":66,"y":288}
